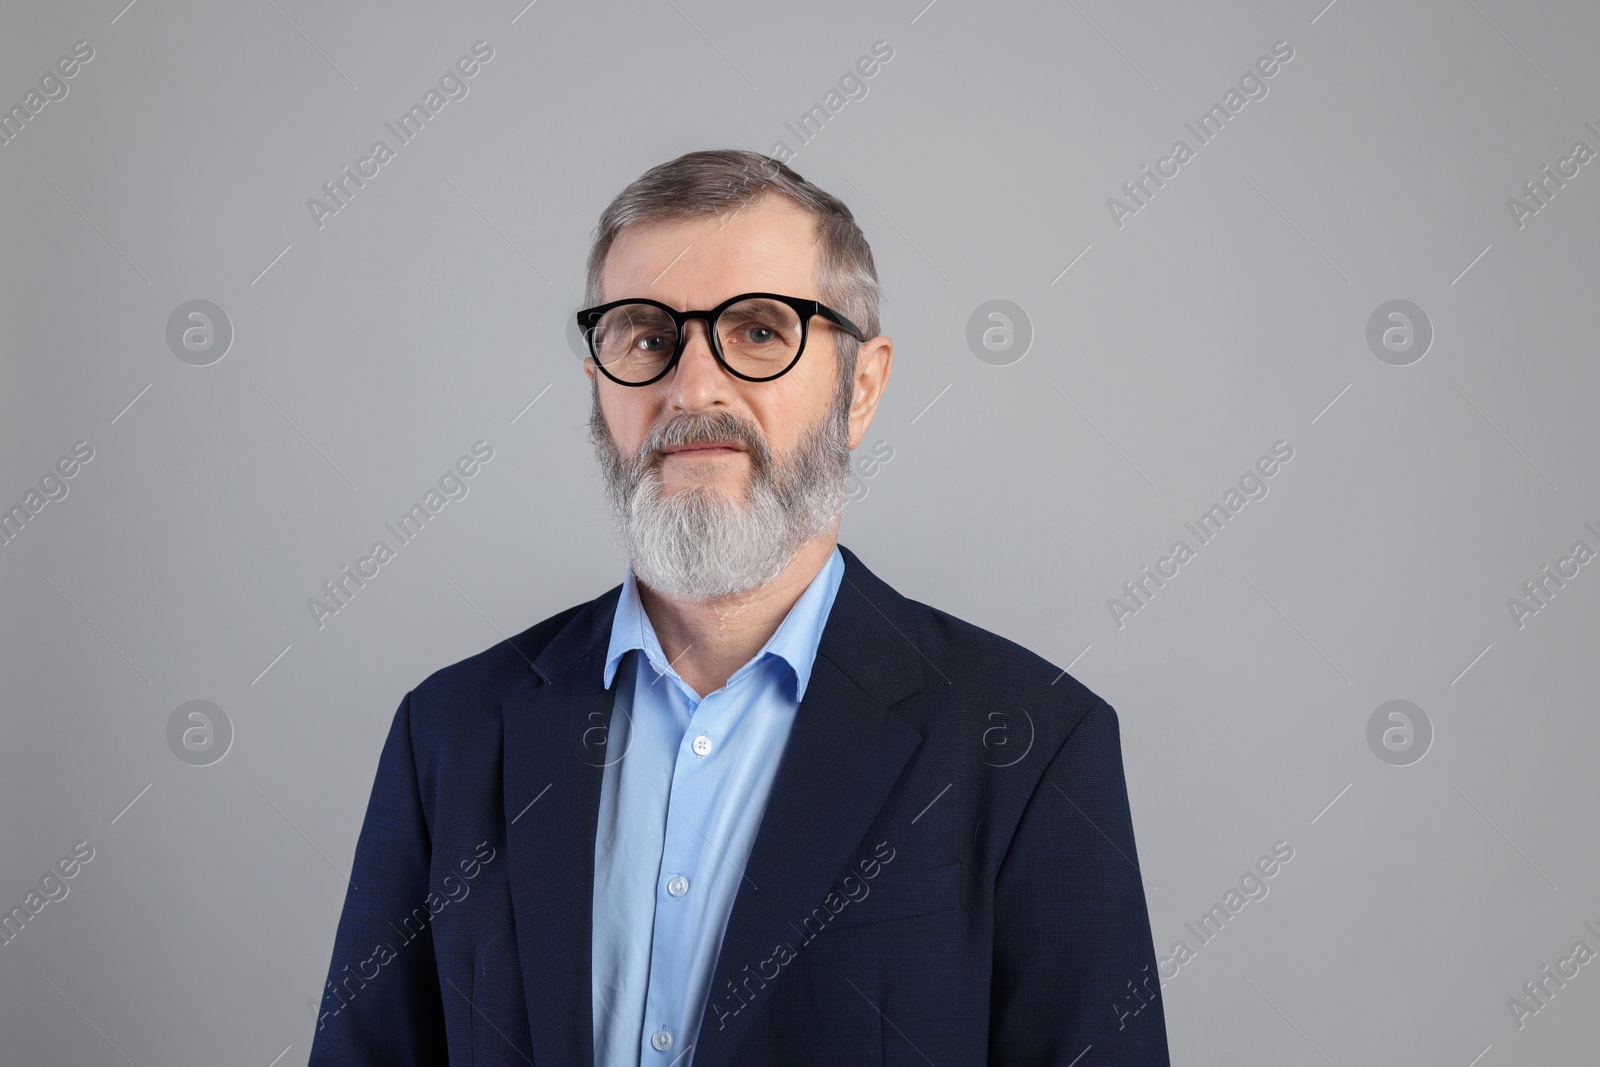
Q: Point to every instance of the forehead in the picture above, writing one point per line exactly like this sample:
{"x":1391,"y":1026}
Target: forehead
{"x":768,"y":246}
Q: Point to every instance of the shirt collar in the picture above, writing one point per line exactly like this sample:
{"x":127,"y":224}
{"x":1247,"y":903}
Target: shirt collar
{"x":794,"y":642}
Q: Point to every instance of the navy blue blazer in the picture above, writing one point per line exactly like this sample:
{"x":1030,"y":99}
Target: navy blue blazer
{"x":945,"y":872}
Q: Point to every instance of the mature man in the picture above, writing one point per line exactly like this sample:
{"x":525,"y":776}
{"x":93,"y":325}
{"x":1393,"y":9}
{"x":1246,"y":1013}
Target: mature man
{"x":752,"y":805}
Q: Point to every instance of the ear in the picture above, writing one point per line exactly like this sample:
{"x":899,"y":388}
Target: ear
{"x":871,"y":376}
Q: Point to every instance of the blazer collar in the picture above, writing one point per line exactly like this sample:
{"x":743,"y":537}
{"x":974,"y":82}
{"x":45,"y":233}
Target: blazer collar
{"x":844,"y":754}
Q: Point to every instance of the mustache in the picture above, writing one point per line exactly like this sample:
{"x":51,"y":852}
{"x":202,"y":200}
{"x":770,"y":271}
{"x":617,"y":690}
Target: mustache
{"x":702,"y":428}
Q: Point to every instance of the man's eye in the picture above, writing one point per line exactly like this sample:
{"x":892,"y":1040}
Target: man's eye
{"x":760,"y":334}
{"x":652,"y":343}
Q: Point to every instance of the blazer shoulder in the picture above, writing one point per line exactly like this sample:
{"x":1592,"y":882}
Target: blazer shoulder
{"x":483,"y":678}
{"x":986,"y":660}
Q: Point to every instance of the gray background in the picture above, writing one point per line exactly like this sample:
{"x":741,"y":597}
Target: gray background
{"x":1228,"y":314}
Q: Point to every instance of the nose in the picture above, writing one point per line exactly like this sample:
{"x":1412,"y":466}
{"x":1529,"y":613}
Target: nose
{"x":698,"y":381}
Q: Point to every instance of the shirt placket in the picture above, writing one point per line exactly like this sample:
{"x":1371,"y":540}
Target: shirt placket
{"x":682,"y":886}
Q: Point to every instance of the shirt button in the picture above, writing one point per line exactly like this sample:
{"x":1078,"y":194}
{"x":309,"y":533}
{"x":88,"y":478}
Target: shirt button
{"x":661,"y":1041}
{"x":678,"y":886}
{"x":702,"y":745}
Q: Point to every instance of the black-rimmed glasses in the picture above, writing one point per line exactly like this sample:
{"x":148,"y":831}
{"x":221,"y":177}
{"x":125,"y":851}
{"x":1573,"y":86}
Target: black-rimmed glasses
{"x":755,"y":336}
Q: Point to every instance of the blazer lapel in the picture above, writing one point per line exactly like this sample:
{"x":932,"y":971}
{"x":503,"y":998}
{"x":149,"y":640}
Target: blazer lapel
{"x":843,"y":756}
{"x":555,"y":723}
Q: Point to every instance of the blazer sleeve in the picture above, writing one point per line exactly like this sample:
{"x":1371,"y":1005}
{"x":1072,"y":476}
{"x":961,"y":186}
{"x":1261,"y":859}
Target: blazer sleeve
{"x":1075,"y":978}
{"x":382,"y":1003}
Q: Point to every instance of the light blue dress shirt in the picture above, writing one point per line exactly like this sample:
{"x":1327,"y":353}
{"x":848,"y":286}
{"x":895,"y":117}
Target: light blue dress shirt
{"x":679,"y":810}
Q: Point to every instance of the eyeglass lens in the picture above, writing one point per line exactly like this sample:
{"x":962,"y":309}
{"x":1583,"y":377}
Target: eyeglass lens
{"x":759,"y":337}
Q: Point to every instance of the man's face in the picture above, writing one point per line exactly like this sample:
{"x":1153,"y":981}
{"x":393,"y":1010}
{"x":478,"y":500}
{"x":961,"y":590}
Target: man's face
{"x":767,"y":247}
{"x":716,"y":482}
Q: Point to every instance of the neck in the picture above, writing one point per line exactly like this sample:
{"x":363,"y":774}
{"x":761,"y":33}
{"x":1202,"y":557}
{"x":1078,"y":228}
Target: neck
{"x":707,"y":640}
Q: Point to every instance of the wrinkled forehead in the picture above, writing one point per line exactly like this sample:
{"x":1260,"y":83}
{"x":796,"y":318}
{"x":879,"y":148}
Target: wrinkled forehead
{"x":770,"y":246}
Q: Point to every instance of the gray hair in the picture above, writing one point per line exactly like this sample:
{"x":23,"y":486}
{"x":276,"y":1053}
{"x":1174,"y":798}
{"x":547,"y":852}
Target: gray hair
{"x":722,"y":181}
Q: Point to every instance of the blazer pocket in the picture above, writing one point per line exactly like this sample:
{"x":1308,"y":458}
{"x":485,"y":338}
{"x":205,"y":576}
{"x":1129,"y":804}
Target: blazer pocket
{"x":902,"y":894}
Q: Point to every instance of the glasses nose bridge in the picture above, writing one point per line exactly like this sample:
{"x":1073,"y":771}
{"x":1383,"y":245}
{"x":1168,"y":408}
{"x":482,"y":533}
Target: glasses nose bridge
{"x":685,"y":319}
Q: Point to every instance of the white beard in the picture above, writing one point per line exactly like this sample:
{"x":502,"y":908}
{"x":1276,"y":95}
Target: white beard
{"x":700,"y":544}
